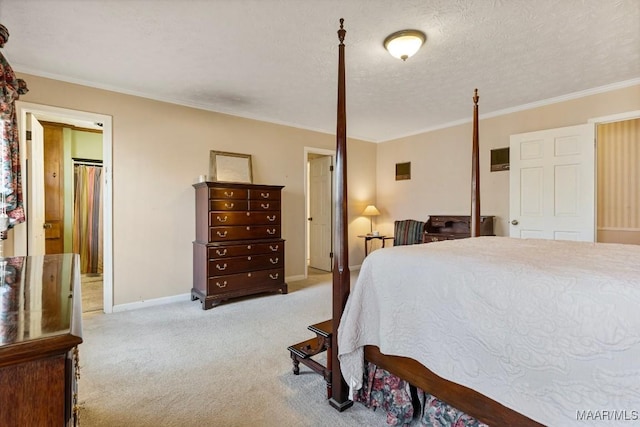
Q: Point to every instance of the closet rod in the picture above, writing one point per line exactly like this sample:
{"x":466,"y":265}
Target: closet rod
{"x":89,"y":162}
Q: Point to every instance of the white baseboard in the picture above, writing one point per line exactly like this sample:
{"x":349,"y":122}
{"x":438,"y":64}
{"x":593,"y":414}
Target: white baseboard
{"x":183,"y":297}
{"x":151,"y":302}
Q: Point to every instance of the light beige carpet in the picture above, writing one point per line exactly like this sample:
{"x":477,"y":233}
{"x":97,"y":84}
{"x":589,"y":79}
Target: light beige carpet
{"x":178,"y":365}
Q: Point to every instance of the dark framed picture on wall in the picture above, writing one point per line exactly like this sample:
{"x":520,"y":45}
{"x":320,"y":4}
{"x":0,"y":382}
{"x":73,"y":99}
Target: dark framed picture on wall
{"x":403,"y":171}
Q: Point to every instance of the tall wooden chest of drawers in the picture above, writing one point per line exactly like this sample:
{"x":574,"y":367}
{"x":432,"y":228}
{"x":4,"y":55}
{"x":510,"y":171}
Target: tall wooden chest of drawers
{"x":238,"y":248}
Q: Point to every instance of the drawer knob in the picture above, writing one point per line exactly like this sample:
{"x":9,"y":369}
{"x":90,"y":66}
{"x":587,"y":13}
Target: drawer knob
{"x":221,"y":285}
{"x":222,"y":219}
{"x":274,"y":276}
{"x":224,"y":267}
{"x":229,"y":205}
{"x":272,"y":261}
{"x":222,"y":233}
{"x":248,"y":274}
{"x":248,"y":246}
{"x":273,"y":248}
{"x":228,"y":194}
{"x":248,"y":228}
{"x":271,"y":231}
{"x":248,"y":258}
{"x":221,"y":252}
{"x":264,"y":205}
{"x":264,"y":195}
{"x":271,"y":218}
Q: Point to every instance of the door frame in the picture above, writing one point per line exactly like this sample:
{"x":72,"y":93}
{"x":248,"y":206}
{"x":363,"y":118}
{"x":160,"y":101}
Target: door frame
{"x":50,"y":112}
{"x":324,"y":152}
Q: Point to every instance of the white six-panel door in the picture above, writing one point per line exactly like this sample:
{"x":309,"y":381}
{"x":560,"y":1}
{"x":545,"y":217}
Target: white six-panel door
{"x":320,"y":207}
{"x":552,"y":184}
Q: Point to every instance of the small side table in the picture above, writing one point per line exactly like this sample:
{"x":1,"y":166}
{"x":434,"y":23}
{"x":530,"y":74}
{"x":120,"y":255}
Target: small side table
{"x":369,"y":237}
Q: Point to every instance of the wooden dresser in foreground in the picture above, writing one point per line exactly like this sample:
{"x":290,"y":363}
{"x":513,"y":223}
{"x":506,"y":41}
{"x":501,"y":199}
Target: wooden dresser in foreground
{"x":238,"y":248}
{"x":448,"y":227}
{"x":40,"y":329}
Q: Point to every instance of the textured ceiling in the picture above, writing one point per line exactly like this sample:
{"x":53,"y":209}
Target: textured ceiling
{"x":276,"y":60}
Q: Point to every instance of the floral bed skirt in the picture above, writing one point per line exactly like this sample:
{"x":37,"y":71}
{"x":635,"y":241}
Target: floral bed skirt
{"x":405,"y":404}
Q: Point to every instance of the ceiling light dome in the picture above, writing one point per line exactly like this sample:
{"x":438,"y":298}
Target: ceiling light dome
{"x":404,"y":44}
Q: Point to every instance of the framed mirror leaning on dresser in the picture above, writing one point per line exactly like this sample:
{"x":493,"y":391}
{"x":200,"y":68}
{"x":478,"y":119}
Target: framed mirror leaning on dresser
{"x":230,"y":167}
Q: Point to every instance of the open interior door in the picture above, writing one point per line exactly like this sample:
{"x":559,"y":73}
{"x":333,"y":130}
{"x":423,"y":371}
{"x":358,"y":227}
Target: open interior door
{"x":552,"y":184}
{"x":320,"y":208}
{"x":35,"y":188}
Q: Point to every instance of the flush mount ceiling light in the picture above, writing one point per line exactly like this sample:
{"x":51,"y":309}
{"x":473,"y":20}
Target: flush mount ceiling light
{"x":404,"y":44}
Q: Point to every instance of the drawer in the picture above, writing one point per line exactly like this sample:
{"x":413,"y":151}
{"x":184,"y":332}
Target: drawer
{"x":243,"y":218}
{"x":225,"y":266}
{"x":228,"y":193}
{"x":428,"y":238}
{"x":234,"y":282}
{"x":264,"y":205}
{"x":264,"y":194}
{"x":432,"y":237}
{"x":243,"y":250}
{"x":443,"y":220}
{"x":228,"y":205}
{"x":223,"y":234}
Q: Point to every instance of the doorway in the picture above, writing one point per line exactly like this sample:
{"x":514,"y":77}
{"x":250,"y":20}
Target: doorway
{"x":319,"y":209}
{"x":618,"y":181}
{"x":30,"y":238}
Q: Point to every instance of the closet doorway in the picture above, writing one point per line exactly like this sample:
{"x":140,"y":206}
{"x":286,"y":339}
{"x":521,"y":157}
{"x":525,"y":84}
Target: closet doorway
{"x":73,"y":201}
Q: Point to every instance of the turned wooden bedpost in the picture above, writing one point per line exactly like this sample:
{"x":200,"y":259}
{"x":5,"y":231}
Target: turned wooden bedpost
{"x":341,"y":275}
{"x":475,"y":172}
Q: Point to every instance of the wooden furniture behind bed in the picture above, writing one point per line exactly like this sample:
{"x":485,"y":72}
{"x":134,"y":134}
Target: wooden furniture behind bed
{"x":462,"y":398}
{"x":451,"y":227}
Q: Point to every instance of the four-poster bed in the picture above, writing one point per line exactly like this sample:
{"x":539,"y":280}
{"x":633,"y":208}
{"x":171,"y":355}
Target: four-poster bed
{"x":353,"y":342}
{"x":461,"y":397}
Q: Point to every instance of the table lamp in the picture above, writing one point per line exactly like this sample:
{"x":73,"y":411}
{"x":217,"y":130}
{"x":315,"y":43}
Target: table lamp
{"x":371,"y":211}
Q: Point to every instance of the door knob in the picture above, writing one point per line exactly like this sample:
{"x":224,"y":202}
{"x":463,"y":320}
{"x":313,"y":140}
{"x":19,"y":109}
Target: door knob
{"x":514,"y":222}
{"x":310,"y":219}
{"x":47,"y":225}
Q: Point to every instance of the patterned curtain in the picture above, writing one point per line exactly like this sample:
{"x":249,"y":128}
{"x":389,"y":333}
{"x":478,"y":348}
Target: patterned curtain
{"x":11,"y":88}
{"x":87,"y":218}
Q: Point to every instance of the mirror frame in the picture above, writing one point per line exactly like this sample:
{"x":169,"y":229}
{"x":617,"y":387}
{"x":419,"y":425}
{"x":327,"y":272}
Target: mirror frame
{"x":230,"y":167}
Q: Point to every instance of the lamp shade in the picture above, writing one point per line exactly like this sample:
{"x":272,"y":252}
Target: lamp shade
{"x":404,"y":44}
{"x":371,"y":210}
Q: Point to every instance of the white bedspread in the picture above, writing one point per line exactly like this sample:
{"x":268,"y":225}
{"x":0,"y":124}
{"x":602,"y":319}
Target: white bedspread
{"x":550,"y":329}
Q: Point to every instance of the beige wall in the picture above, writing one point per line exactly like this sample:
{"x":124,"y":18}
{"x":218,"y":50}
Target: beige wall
{"x":160,"y":149}
{"x":441,"y":160}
